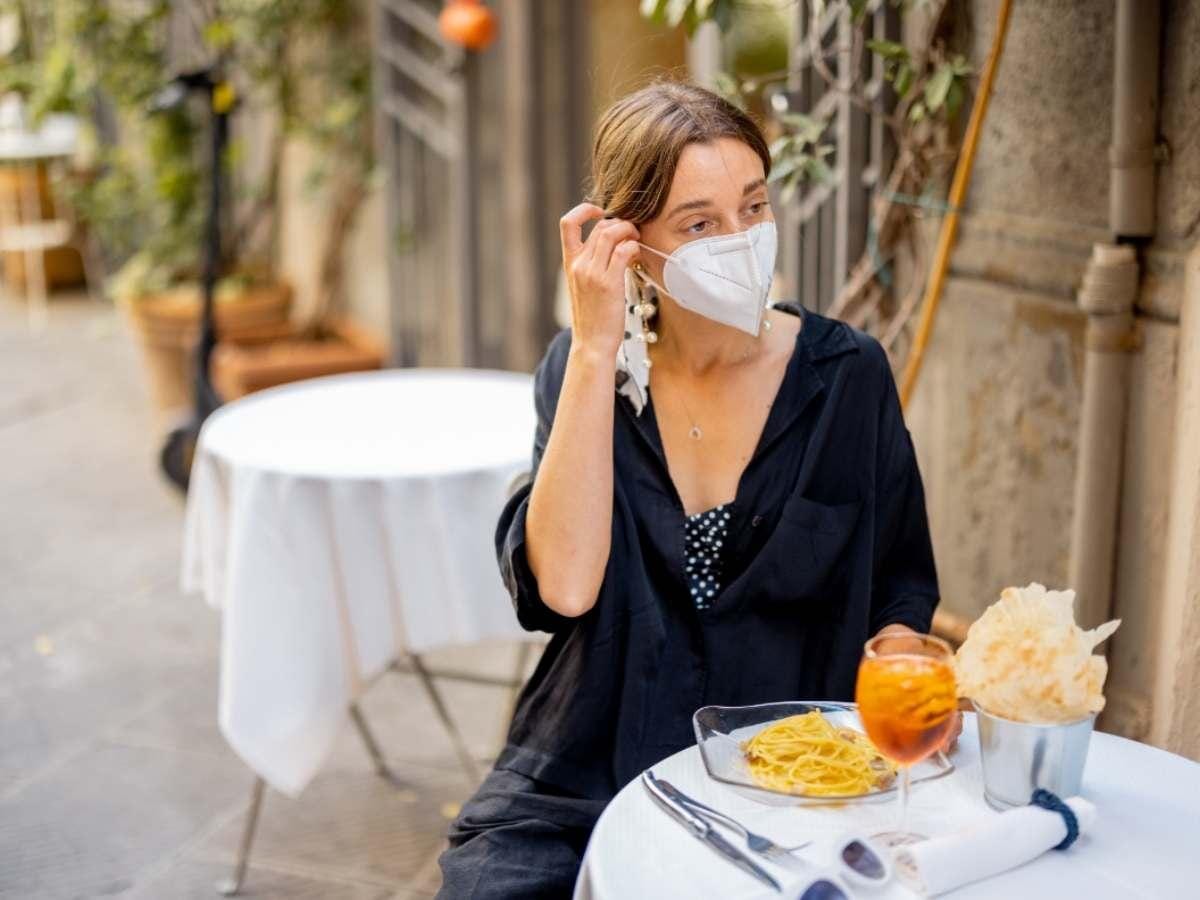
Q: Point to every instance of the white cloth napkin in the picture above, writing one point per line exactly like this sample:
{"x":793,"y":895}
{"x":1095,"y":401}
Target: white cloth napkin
{"x":1003,"y":842}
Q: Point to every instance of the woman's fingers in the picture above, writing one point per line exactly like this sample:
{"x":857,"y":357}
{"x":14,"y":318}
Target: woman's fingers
{"x":605,"y":237}
{"x":623,"y":255}
{"x":597,"y":313}
{"x":570,"y":227}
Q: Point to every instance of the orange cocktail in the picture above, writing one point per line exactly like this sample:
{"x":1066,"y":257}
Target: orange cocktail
{"x":907,"y":704}
{"x":907,"y":701}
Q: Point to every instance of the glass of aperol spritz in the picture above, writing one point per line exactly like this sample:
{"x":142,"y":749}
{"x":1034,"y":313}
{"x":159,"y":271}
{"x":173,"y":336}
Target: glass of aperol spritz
{"x":907,"y":702}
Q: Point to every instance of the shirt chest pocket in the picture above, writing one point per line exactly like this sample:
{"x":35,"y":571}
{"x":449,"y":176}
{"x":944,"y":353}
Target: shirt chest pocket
{"x":805,"y":566}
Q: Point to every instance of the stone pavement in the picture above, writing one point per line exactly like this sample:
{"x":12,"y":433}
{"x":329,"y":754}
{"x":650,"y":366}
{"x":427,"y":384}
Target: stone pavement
{"x":114,"y":780}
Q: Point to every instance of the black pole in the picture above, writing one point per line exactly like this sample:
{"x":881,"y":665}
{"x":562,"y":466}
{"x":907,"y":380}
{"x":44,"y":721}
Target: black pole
{"x":207,"y":399}
{"x":175,"y":458}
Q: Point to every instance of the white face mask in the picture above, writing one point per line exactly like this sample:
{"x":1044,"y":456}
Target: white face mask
{"x":725,"y":278}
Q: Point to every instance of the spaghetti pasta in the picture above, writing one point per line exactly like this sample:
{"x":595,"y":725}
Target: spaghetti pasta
{"x":807,"y":755}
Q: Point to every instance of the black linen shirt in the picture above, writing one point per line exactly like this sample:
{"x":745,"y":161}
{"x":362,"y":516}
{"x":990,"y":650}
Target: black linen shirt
{"x":832,"y":545}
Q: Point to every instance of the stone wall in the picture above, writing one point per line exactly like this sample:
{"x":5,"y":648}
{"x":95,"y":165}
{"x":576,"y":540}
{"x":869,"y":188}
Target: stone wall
{"x":995,"y":416}
{"x":302,"y":234}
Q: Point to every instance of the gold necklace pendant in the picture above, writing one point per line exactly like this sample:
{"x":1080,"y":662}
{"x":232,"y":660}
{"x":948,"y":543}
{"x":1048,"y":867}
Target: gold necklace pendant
{"x":695,"y":434}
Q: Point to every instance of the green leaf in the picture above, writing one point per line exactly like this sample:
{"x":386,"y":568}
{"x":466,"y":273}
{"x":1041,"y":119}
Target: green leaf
{"x":789,"y":189}
{"x":904,"y":79}
{"x":654,"y":10}
{"x":722,"y":13}
{"x":218,"y":34}
{"x":805,"y":128}
{"x":780,"y":146}
{"x":954,"y":98}
{"x":730,"y":88}
{"x":916,"y":112}
{"x":784,"y":168}
{"x":235,"y":153}
{"x":937,"y":87}
{"x":888,"y":49}
{"x":678,"y":10}
{"x":817,"y":170}
{"x":858,"y":9}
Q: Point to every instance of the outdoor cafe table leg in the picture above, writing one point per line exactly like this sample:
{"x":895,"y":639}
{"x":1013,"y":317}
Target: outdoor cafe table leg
{"x":233,"y":884}
{"x":443,"y":713}
{"x":360,"y":722}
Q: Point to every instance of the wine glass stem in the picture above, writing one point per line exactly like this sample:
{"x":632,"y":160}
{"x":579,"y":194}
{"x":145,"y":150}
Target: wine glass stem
{"x":905,"y":787}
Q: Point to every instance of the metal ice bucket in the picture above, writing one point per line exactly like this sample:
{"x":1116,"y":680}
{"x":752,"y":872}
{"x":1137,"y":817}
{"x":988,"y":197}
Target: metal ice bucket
{"x":1019,"y":757}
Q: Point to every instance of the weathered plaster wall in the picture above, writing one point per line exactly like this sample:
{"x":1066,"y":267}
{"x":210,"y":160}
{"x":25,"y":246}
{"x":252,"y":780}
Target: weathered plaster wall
{"x":302,"y":236}
{"x":1175,"y":680}
{"x":995,"y":427}
{"x":1134,"y":652}
{"x":1179,"y":124}
{"x":1048,"y":127}
{"x":995,"y":416}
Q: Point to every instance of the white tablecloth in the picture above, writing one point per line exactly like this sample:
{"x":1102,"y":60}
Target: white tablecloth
{"x":338,"y":522}
{"x":1146,"y":843}
{"x":55,"y":139}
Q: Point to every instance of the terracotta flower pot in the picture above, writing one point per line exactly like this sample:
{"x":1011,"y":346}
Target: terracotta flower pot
{"x":167,"y":326}
{"x":242,"y":365}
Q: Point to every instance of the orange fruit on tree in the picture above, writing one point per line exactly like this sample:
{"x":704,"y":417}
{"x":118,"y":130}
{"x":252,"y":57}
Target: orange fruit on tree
{"x":468,"y":23}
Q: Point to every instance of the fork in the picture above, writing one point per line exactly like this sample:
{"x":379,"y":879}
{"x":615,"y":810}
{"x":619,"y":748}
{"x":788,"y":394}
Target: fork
{"x":757,"y":843}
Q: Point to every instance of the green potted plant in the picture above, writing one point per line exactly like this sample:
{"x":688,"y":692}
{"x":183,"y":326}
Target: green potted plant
{"x":312,"y":58}
{"x":142,"y":173}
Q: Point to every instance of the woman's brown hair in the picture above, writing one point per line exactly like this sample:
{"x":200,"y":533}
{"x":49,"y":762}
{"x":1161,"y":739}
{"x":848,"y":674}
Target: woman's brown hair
{"x":640,"y":138}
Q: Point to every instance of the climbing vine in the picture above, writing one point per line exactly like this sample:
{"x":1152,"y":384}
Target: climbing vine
{"x":927,"y":86}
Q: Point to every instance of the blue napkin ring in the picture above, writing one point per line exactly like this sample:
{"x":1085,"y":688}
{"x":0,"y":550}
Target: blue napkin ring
{"x":1051,"y":801}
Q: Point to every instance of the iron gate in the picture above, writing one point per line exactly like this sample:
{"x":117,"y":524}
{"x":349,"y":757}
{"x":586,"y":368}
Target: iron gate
{"x":825,"y":228}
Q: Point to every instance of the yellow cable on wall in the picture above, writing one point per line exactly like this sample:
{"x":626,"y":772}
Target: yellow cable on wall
{"x":958,"y":192}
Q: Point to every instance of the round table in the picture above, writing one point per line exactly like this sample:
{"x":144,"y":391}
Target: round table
{"x":1144,"y":843}
{"x":338,"y":523}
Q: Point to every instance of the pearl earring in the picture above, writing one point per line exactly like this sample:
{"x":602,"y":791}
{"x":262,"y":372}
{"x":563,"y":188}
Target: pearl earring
{"x":645,"y":310}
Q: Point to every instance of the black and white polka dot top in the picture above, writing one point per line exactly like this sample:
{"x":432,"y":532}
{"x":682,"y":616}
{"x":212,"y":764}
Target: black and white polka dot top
{"x":704,"y":541}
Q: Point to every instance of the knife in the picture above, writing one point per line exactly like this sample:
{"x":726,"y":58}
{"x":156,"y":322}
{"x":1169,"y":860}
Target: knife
{"x":704,"y":832}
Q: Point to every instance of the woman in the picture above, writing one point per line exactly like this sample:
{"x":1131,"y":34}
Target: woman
{"x":725,"y":503}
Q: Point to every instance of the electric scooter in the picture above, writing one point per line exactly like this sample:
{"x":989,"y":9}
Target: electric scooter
{"x":175,"y":457}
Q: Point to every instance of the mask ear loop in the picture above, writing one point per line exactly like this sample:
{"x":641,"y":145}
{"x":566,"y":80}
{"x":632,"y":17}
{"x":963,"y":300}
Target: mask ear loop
{"x":644,"y":276}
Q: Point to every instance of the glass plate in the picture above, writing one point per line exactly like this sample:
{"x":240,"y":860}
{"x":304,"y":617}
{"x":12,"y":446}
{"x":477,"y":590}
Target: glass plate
{"x":720,"y":731}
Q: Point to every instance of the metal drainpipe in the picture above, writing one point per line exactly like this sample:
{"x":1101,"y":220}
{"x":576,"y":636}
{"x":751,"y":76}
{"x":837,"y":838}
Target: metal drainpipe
{"x":1131,"y":196}
{"x":1107,"y":296}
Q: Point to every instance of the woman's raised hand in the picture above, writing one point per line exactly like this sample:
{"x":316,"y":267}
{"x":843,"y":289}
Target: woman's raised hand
{"x":596,"y":276}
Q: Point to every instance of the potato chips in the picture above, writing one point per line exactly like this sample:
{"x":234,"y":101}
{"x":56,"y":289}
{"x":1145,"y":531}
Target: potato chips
{"x":1026,"y":659}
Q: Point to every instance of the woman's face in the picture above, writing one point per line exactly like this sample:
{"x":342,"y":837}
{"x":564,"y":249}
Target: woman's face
{"x":719,"y":188}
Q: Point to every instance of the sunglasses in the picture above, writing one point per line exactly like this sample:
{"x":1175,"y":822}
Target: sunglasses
{"x":859,"y":862}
